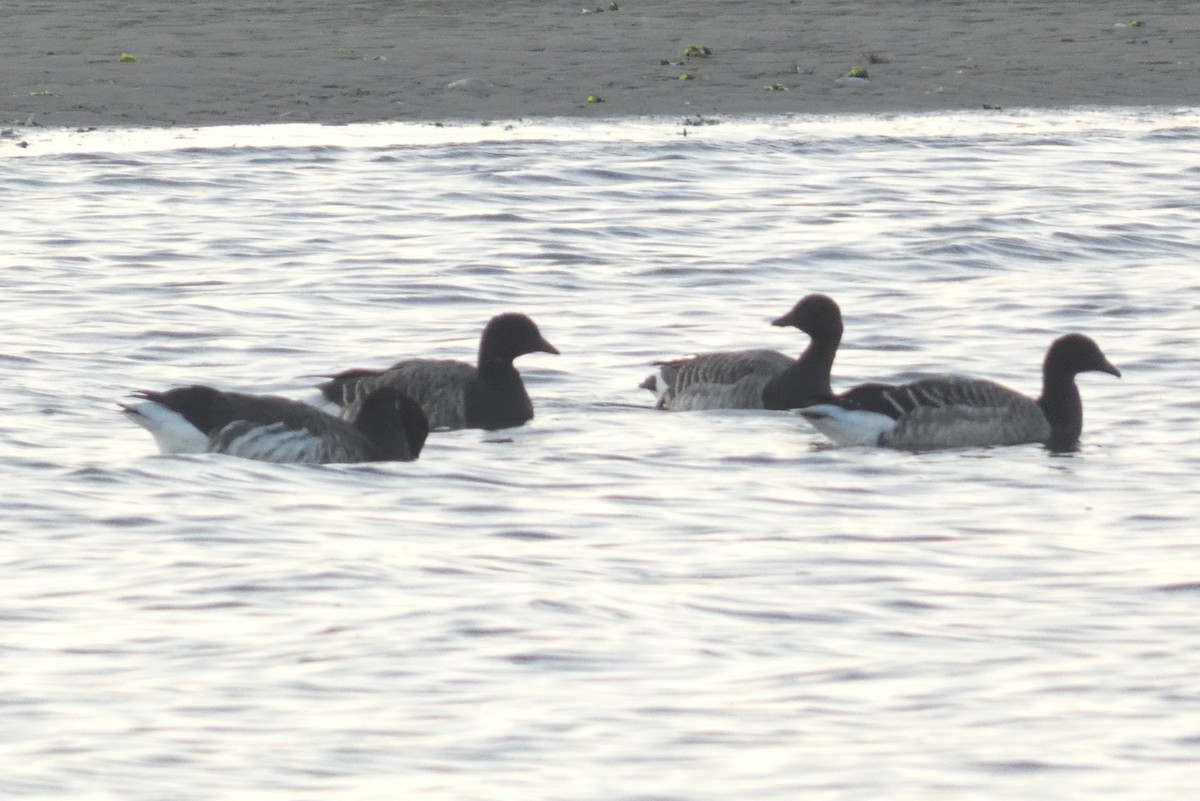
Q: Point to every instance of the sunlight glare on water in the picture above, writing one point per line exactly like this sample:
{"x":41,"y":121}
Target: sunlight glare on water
{"x":611,"y":602}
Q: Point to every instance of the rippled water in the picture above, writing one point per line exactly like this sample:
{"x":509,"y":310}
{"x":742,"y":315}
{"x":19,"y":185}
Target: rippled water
{"x":612,"y":602}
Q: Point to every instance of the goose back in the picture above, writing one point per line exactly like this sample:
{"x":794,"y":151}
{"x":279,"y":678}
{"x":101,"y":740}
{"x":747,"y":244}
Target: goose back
{"x":439,"y":386}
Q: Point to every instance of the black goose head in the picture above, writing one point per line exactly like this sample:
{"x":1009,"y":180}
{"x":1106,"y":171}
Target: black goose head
{"x":1073,"y":354}
{"x":509,"y":335}
{"x":1068,"y":356}
{"x":816,"y":315}
{"x":393,"y":423}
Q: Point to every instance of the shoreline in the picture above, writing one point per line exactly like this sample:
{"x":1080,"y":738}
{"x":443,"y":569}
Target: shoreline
{"x":204,"y":64}
{"x":17,"y":142}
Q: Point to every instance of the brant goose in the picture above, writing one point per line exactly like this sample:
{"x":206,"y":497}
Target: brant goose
{"x":200,"y":419}
{"x":756,"y":379}
{"x":454,"y":394}
{"x":955,"y":411}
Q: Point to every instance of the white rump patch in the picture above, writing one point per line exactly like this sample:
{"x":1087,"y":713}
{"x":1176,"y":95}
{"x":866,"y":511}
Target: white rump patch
{"x":658,"y":385}
{"x":847,"y":427}
{"x":171,"y":430}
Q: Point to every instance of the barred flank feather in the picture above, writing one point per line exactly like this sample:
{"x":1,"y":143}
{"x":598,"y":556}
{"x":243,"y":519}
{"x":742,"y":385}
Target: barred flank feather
{"x":723,"y":380}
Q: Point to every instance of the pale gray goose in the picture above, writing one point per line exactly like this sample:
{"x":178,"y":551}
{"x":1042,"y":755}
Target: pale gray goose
{"x":455,"y":394}
{"x":756,"y":379}
{"x":956,"y":411}
{"x":200,"y":419}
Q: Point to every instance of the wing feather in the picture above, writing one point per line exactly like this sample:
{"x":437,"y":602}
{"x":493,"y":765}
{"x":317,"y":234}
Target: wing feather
{"x":438,"y":386}
{"x":953,"y":411}
{"x":719,"y":380}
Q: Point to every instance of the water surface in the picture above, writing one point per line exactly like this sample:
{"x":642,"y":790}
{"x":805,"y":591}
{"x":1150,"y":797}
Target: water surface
{"x":611,"y":602}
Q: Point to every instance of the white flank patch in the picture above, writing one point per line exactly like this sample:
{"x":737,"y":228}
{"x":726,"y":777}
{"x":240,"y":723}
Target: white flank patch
{"x":657,"y":385}
{"x":171,"y":430}
{"x":846,"y":427}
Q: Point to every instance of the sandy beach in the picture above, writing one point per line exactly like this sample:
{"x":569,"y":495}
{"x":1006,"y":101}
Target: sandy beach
{"x":166,"y":63}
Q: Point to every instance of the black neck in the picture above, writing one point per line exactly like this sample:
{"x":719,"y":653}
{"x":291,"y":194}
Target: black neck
{"x":805,"y":380}
{"x":817,"y":359}
{"x":498,"y":398}
{"x":496,"y":369}
{"x":1061,"y":404}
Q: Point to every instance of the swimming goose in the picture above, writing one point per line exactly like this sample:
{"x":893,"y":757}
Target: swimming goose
{"x":455,"y":394}
{"x":955,"y":411}
{"x":200,"y":419}
{"x":756,"y":379}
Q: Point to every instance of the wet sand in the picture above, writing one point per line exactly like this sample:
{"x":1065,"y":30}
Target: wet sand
{"x":112,"y":63}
